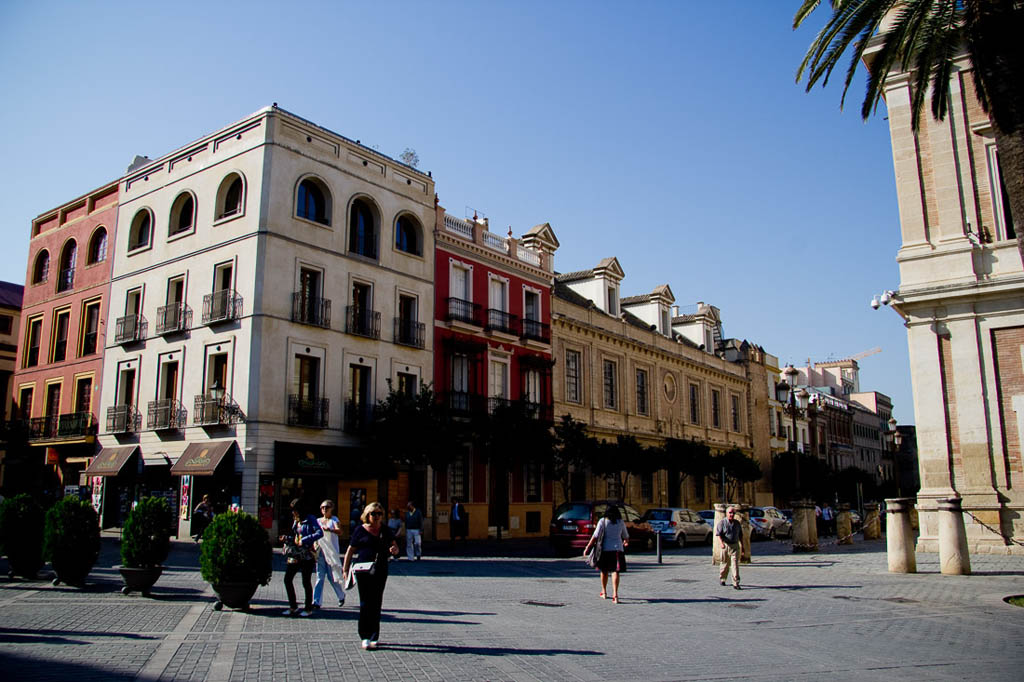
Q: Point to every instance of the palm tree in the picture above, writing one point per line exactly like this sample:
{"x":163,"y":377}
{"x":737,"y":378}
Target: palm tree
{"x":924,"y":38}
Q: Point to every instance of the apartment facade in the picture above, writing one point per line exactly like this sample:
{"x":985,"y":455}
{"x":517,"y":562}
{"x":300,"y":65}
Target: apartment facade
{"x":492,"y":342}
{"x":271,"y":280}
{"x":10,"y":330}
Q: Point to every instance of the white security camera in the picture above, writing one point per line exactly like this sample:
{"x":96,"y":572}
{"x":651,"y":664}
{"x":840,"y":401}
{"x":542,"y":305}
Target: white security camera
{"x":875,"y":303}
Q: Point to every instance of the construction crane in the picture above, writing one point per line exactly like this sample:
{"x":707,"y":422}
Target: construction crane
{"x":858,"y":356}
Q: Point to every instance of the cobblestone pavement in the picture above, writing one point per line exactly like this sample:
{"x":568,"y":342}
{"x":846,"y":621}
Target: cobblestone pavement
{"x":837,"y":614}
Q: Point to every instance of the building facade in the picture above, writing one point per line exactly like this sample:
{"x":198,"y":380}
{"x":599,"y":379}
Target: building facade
{"x":10,"y":329}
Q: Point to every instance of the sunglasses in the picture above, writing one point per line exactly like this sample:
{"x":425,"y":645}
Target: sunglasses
{"x":376,"y":513}
{"x":327,"y":506}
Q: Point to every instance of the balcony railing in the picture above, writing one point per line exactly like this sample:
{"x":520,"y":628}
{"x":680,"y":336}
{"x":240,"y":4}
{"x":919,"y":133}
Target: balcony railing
{"x":410,"y":332}
{"x":130,"y":328}
{"x":311,"y":310}
{"x":66,"y":279}
{"x":362,"y":321}
{"x":213,"y":410}
{"x":76,"y":425}
{"x":463,"y":311}
{"x":501,"y":321}
{"x":495,"y":404}
{"x":123,"y":419}
{"x":463,"y":402}
{"x":166,"y":414}
{"x":172,"y":318}
{"x":536,"y":331}
{"x":358,"y":417}
{"x":42,"y":428}
{"x":307,"y":412}
{"x":542,"y":411}
{"x":221,"y":306}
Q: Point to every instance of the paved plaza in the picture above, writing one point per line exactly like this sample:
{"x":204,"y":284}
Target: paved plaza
{"x":832,"y":615}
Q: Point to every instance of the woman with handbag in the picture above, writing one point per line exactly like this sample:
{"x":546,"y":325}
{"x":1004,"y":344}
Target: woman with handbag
{"x":328,"y":556}
{"x":367,"y":559}
{"x":298,"y":553}
{"x":609,"y":543}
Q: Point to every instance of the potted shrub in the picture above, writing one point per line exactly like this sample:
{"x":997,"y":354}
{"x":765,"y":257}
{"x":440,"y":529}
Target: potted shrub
{"x":235,"y":558}
{"x":145,"y":542}
{"x":71,"y":540}
{"x":21,"y":534}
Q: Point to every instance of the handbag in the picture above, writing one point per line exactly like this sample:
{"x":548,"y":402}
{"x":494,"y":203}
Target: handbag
{"x":594,"y":555}
{"x":367,"y":567}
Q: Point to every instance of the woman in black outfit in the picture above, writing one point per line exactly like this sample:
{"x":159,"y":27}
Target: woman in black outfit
{"x":298,"y":552}
{"x":371,"y":541}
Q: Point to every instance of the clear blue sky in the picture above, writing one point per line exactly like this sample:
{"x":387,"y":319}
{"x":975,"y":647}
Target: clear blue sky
{"x":668,"y":134}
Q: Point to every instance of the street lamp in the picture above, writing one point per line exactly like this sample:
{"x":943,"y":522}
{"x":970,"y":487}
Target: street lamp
{"x":785,"y":394}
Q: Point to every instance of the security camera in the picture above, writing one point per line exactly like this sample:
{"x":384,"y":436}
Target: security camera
{"x":875,"y":303}
{"x":886,"y":297}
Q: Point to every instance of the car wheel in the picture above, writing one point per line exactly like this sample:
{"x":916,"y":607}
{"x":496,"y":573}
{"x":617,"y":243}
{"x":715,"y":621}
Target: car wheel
{"x":681,"y":540}
{"x":771,"y":534}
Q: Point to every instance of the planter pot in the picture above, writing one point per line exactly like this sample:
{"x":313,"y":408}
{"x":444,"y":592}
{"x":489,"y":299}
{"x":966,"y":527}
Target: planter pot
{"x":139,"y":579}
{"x":234,"y":595}
{"x":71,"y":575}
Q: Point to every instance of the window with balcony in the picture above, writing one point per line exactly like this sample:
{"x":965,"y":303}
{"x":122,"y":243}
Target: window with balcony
{"x":68,"y":259}
{"x":361,"y":318}
{"x":362,"y":230}
{"x":308,"y":304}
{"x":460,"y":305}
{"x":306,"y":407}
{"x":313,"y":201}
{"x":498,"y":317}
{"x":641,"y":392}
{"x":497,"y":383}
{"x":532,"y":327}
{"x":41,"y":268}
{"x":131,"y":327}
{"x":408,"y":330}
{"x":33,"y":338}
{"x":141,"y":230}
{"x":716,"y":409}
{"x":611,"y":394}
{"x":223,"y":304}
{"x":359,"y":404}
{"x":167,"y":412}
{"x":573,"y":381}
{"x":183,"y":215}
{"x":97,"y":246}
{"x":408,"y":237}
{"x":171,"y":317}
{"x":459,"y":397}
{"x":61,"y":325}
{"x":230,"y":197}
{"x":122,"y":416}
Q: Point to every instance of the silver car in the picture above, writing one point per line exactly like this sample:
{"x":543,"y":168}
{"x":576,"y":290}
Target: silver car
{"x":678,"y":525}
{"x":769,"y":522}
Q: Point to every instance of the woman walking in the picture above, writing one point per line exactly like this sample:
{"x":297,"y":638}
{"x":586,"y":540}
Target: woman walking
{"x":298,"y":552}
{"x":372,"y":542}
{"x":613,"y":537}
{"x":328,"y":558}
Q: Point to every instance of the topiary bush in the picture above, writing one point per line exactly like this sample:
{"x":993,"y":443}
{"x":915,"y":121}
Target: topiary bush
{"x":146,"y":536}
{"x":236,"y":549}
{"x":21,"y":535}
{"x":71,"y":541}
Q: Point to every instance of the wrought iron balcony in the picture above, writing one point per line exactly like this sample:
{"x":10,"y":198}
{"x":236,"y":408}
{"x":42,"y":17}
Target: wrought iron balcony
{"x":544,"y":412}
{"x":501,"y":321}
{"x":172,"y":318}
{"x":66,"y":279}
{"x":212,"y":410}
{"x":165,"y":415}
{"x":362,"y":321}
{"x":221,"y":306}
{"x":358,"y":416}
{"x":42,"y":428}
{"x":311,"y":310}
{"x":463,"y":402}
{"x":130,"y":328}
{"x":536,"y":331}
{"x":495,"y":404}
{"x":460,"y":310}
{"x":410,"y":333}
{"x":307,"y":412}
{"x":123,"y":419}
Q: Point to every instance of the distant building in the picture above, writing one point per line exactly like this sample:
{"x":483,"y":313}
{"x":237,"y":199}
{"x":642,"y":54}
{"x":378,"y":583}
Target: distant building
{"x":10,"y":328}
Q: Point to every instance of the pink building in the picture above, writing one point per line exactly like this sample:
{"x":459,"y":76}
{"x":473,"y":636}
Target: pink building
{"x":55,"y":388}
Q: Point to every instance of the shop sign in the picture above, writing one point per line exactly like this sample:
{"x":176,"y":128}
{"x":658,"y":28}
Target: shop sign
{"x":186,"y":499}
{"x":97,"y":492}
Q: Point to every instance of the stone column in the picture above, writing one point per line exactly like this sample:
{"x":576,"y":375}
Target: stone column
{"x":953,"y":555}
{"x":899,"y":535}
{"x":844,"y":525}
{"x":805,"y":527}
{"x":716,"y":546}
{"x":743,"y":514}
{"x":872,"y":521}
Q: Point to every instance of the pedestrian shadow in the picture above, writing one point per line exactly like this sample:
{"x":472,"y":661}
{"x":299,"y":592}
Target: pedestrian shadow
{"x":272,"y":610}
{"x":49,"y":636}
{"x":484,"y":650}
{"x":791,"y":564}
{"x":699,"y":600}
{"x":442,"y":613}
{"x":27,"y":667}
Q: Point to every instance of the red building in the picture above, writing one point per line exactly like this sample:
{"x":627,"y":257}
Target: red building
{"x":492,"y":347}
{"x":55,"y":388}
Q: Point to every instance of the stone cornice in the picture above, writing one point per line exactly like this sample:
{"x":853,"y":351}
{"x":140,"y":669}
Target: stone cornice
{"x":472,"y":250}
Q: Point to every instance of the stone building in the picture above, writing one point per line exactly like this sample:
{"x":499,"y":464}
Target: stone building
{"x":960,"y":298}
{"x":10,"y":329}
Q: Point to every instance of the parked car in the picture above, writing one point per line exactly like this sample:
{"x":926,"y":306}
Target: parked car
{"x":678,"y":525}
{"x":769,"y":522}
{"x":709,"y":516}
{"x":573,"y":523}
{"x":788,"y":513}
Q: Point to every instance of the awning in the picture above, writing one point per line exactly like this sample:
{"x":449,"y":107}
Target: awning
{"x":203,"y":458}
{"x":111,"y":461}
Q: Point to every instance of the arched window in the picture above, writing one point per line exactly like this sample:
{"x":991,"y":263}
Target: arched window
{"x":362,"y":230}
{"x":312,"y":202}
{"x":68,"y":258}
{"x":407,"y":235}
{"x":141,"y":230}
{"x":97,"y":246}
{"x":41,"y":270}
{"x":183,"y":214}
{"x":230,"y":196}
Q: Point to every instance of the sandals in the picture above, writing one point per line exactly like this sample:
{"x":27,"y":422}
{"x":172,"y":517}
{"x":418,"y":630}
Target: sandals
{"x":602,"y":596}
{"x":615,"y":600}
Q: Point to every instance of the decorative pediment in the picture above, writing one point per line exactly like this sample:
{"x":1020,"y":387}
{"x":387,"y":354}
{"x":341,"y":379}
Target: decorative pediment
{"x":541,"y":237}
{"x":609,"y":267}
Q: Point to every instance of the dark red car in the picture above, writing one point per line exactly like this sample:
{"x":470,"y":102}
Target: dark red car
{"x":573,"y":523}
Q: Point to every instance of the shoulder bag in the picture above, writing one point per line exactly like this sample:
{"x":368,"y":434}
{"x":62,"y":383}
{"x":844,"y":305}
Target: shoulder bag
{"x":592,"y":557}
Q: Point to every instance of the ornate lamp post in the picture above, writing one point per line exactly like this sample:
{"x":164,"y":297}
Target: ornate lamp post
{"x":805,"y":531}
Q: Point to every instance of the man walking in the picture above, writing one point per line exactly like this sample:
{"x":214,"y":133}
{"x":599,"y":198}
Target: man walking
{"x":729,"y":532}
{"x":413,"y":530}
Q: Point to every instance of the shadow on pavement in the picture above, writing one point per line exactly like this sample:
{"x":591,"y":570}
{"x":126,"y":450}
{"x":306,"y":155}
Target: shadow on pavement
{"x":17,"y":667}
{"x":35,"y":636}
{"x":749,"y":586}
{"x":485,"y":650}
{"x":705,"y":600}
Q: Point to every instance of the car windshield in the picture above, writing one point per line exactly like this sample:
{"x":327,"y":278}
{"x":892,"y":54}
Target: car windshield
{"x":706,"y":514}
{"x":658,"y":515}
{"x":755,"y":511}
{"x":573,"y":512}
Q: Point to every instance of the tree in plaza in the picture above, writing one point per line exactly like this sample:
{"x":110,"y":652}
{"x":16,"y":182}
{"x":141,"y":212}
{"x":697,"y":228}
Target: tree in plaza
{"x":572,"y":451}
{"x":619,"y":459}
{"x":687,"y":458}
{"x":413,"y":429}
{"x":738,"y":468}
{"x":925,"y":39}
{"x":815,"y":477}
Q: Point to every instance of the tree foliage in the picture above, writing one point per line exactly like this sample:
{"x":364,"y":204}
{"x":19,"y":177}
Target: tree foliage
{"x":146,"y":537}
{"x":739,"y":468}
{"x":236,"y":549}
{"x":413,"y":429}
{"x":572,"y":450}
{"x":71,"y":540}
{"x":688,"y":458}
{"x":409,"y":157}
{"x":21,"y":534}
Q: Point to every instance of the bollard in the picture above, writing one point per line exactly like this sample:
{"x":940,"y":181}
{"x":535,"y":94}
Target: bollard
{"x":716,"y":549}
{"x":657,"y":543}
{"x":900,"y":536}
{"x":844,"y":525}
{"x":954,"y":557}
{"x":872,"y":522}
{"x":805,"y":527}
{"x":743,"y":514}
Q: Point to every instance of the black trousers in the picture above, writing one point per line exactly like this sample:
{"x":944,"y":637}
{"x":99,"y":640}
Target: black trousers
{"x":371,"y":596}
{"x":307,"y":568}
